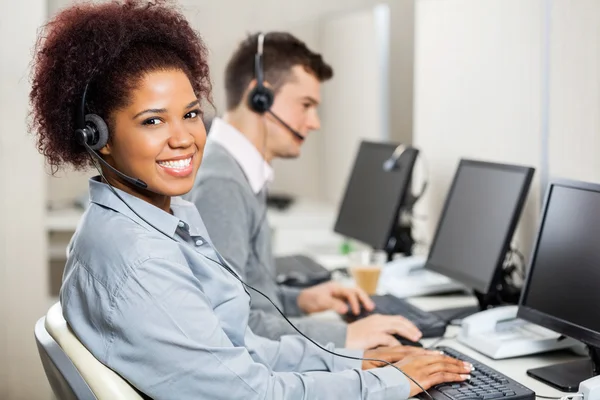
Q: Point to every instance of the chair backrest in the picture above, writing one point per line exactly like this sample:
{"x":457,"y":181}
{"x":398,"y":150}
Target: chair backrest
{"x":73,"y":372}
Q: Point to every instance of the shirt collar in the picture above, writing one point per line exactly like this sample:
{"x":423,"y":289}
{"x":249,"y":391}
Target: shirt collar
{"x":258,"y":172}
{"x":185,"y":214}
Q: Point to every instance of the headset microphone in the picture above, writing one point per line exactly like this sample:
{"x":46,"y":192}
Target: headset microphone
{"x":285,"y":125}
{"x":261,"y":97}
{"x":137,"y":182}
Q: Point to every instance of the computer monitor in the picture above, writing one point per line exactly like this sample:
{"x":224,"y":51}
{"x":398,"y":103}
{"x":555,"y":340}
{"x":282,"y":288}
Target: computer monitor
{"x":561,"y":291}
{"x":374,"y":197}
{"x":476,"y":226}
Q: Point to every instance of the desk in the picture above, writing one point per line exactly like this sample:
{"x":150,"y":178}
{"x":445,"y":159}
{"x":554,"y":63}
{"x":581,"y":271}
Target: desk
{"x":515,"y":368}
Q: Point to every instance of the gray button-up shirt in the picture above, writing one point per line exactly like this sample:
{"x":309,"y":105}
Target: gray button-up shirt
{"x":165,"y":315}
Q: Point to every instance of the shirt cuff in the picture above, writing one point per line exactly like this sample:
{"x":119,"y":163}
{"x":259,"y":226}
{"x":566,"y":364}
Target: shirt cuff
{"x":342,"y":363}
{"x":390,"y":382}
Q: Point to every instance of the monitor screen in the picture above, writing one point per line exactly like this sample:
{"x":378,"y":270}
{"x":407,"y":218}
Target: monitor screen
{"x":370,"y":206}
{"x":562,"y":288}
{"x":477,"y":223}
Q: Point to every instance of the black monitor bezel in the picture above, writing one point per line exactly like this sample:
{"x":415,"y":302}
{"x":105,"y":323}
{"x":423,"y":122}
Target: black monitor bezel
{"x":483,"y":287}
{"x":540,"y":318}
{"x":409,"y":152}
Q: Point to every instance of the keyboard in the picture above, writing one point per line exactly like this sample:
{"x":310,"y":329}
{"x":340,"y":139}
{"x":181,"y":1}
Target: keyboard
{"x":428,"y":323}
{"x":485,"y":384}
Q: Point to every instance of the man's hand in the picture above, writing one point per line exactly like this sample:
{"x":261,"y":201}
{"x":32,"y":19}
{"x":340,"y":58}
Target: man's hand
{"x":377,"y":330}
{"x":433,"y":370}
{"x":333,"y":296}
{"x":393,"y":355}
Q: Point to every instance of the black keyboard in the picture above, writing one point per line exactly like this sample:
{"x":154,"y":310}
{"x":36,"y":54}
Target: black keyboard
{"x":428,"y":323}
{"x":485,"y":384}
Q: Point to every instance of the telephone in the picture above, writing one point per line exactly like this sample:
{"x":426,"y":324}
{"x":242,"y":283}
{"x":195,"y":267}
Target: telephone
{"x":498,"y":334}
{"x":407,"y":277}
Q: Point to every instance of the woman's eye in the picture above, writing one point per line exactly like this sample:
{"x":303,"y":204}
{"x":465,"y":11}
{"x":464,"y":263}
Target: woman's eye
{"x":192,"y":114}
{"x":151,"y":121}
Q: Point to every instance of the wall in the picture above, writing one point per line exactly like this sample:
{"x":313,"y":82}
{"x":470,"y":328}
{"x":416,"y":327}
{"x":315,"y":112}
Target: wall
{"x":478,"y":87}
{"x":355,"y":102}
{"x":23,"y":283}
{"x":575,"y":90}
{"x":401,"y":70}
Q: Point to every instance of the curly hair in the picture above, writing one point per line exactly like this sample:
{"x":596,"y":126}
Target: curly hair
{"x":281,"y":52}
{"x":109,"y":46}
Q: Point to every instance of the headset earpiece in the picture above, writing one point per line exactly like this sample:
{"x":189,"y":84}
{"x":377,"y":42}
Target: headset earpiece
{"x":99,"y":131}
{"x":91,"y":128}
{"x":260,"y":99}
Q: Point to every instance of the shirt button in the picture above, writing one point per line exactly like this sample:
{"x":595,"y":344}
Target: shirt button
{"x":181,"y":224}
{"x":199,"y":242}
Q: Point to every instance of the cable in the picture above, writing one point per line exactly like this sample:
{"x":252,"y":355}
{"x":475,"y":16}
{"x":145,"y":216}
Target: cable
{"x":448,"y":322}
{"x":566,"y":397}
{"x":224,"y":265}
{"x":440,"y":340}
{"x":523,"y":263}
{"x":321,"y":347}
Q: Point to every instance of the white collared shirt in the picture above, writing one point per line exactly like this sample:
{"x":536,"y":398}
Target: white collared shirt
{"x":257,"y":170}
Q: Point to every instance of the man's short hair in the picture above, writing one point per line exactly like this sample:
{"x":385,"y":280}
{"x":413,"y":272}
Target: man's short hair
{"x":281,"y":52}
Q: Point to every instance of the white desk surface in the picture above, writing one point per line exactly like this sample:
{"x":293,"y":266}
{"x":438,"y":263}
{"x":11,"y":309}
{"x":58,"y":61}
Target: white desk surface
{"x":515,"y":368}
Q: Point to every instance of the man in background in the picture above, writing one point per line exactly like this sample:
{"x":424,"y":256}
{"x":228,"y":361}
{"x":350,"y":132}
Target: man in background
{"x":272,"y":85}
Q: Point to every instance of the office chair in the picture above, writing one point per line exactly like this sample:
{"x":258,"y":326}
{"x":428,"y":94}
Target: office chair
{"x":73,"y":372}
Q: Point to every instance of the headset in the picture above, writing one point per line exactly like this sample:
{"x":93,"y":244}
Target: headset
{"x":260,"y":98}
{"x":393,"y":163}
{"x":92,"y":133}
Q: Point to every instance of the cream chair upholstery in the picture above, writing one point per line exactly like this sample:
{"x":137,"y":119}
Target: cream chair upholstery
{"x":73,"y":372}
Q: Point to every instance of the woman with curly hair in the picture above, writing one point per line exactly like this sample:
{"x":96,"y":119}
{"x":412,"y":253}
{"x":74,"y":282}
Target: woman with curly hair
{"x":143,"y":289}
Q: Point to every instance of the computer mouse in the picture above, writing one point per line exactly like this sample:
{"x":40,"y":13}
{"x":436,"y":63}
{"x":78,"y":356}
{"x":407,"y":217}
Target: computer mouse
{"x":407,"y":342}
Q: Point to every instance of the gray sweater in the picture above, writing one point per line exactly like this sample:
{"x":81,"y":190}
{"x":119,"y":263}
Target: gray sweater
{"x":236,"y":221}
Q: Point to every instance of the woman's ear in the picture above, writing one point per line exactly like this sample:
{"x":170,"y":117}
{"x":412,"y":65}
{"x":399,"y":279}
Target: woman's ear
{"x":106,"y":150}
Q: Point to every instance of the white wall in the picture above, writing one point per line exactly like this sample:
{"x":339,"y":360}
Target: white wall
{"x":478,"y":69}
{"x":401,"y":70}
{"x":575,"y":90}
{"x":24,"y":283}
{"x":356,"y":101}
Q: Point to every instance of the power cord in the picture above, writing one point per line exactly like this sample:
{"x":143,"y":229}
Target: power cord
{"x":223,"y":263}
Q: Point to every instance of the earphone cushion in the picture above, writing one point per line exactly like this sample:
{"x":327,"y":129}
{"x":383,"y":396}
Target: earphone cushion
{"x":260,"y":99}
{"x":97,"y":124}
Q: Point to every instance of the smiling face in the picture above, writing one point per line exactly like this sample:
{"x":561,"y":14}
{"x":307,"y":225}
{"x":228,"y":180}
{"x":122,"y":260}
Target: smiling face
{"x":158,"y":137}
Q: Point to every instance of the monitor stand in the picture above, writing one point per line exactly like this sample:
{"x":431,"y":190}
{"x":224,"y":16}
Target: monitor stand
{"x":567,"y":376}
{"x":502,"y":293}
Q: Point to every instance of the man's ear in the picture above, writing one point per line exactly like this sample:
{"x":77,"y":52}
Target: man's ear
{"x":253,"y":84}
